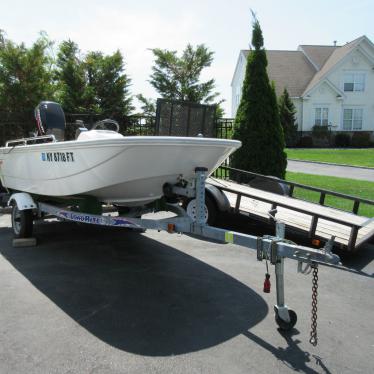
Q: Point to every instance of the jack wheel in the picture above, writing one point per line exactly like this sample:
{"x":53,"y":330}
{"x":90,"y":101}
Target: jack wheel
{"x":210,"y":211}
{"x":286,"y":326}
{"x":22,"y":222}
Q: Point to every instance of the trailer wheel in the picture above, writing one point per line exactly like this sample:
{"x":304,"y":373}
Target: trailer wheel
{"x":286,"y":326}
{"x":22,"y":222}
{"x":210,"y":209}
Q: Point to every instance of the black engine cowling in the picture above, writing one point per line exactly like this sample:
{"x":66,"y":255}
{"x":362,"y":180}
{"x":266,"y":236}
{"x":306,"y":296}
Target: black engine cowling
{"x":50,"y":119}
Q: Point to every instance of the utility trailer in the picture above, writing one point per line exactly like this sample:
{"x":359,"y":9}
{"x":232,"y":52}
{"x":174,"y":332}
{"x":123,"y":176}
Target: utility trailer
{"x":274,"y":249}
{"x":311,"y":220}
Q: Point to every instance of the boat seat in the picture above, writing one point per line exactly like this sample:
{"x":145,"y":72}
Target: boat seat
{"x":99,"y":134}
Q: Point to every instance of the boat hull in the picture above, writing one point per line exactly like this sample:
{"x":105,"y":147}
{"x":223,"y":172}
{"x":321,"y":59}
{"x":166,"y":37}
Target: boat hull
{"x":127,"y":171}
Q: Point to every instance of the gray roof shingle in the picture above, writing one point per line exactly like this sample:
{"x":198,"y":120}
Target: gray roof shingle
{"x":294,"y":71}
{"x":318,"y":54}
{"x":289,"y":69}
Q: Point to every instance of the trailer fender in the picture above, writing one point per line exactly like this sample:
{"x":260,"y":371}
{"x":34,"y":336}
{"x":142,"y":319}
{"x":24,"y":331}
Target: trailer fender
{"x":218,"y":197}
{"x":23,"y":200}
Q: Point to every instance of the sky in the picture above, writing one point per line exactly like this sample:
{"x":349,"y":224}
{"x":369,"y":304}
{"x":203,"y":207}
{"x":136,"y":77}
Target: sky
{"x":135,"y":27}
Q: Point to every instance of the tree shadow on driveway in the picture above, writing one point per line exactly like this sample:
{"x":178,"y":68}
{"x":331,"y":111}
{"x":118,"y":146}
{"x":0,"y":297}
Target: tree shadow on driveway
{"x":135,"y":293}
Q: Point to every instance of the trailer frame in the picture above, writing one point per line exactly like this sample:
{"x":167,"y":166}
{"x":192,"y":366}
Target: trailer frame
{"x":274,"y":249}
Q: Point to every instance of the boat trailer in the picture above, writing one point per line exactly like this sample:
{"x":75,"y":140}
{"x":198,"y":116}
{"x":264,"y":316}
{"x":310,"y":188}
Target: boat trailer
{"x":272,"y":249}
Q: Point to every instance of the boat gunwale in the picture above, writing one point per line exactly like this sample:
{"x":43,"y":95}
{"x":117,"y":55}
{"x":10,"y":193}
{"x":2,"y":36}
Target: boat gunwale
{"x":128,"y":140}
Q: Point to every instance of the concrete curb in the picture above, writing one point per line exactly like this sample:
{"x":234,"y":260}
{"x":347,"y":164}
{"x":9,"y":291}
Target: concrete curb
{"x":332,"y":164}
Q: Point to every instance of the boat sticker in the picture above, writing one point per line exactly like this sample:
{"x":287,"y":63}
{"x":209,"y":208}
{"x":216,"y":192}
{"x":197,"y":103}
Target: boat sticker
{"x":58,"y":156}
{"x":96,"y":220}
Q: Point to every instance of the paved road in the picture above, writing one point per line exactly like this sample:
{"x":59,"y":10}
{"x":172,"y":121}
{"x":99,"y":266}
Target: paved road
{"x":89,"y":300}
{"x":331,"y":170}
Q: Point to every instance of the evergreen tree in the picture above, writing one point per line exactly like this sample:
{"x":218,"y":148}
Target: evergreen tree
{"x":70,"y":76}
{"x":92,"y":83}
{"x":25,"y":77}
{"x":257,"y":122}
{"x":107,"y":85}
{"x":178,"y":78}
{"x":148,"y":106}
{"x":287,"y":113}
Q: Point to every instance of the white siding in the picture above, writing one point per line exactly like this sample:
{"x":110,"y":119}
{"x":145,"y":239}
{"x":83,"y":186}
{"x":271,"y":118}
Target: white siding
{"x":329,"y":96}
{"x":237,"y":84}
{"x":322,"y":94}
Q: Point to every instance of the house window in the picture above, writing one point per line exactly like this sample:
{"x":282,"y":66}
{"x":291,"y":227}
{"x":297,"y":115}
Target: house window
{"x":352,"y":119}
{"x":321,"y":116}
{"x":354,"y":82}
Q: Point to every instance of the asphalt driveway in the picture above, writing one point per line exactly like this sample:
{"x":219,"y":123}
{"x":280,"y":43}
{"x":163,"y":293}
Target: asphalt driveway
{"x":95,"y":300}
{"x":331,"y":170}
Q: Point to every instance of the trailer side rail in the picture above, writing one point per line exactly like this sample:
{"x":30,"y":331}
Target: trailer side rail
{"x":353,"y":222}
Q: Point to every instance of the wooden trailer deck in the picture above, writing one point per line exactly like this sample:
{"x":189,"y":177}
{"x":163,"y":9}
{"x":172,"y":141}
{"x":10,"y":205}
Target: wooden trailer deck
{"x":317,"y":221}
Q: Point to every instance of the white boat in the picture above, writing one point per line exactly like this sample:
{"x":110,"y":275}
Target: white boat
{"x":128,"y":171}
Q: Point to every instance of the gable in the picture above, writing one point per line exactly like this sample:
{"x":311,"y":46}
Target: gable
{"x":325,"y":89}
{"x":337,"y":58}
{"x":300,"y":71}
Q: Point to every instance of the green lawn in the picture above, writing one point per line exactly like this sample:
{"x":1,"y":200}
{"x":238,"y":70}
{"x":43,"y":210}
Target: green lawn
{"x":355,"y":157}
{"x":347,"y":186}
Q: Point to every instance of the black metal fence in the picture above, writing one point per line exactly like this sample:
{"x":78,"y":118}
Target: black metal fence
{"x":129,"y":126}
{"x":224,"y":130}
{"x":184,"y":118}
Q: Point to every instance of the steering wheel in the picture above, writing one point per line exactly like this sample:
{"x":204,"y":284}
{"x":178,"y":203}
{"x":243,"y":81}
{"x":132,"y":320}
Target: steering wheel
{"x":103,"y":125}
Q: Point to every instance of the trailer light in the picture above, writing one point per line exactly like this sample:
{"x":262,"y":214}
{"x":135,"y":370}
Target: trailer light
{"x":171,"y":228}
{"x":316,"y":242}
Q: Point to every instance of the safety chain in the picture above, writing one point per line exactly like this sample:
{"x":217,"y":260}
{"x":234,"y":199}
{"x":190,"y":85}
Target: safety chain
{"x":313,"y":332}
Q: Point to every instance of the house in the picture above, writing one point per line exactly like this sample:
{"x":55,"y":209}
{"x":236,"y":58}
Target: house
{"x":330,"y":85}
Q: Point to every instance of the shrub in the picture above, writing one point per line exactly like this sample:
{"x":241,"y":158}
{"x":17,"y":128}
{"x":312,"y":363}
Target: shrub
{"x":320,"y":132}
{"x":287,"y":112}
{"x":342,"y":140}
{"x":306,"y":142}
{"x":360,"y":139}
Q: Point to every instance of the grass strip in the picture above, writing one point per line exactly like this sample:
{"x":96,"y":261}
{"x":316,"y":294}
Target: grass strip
{"x":354,"y":157}
{"x":347,"y":186}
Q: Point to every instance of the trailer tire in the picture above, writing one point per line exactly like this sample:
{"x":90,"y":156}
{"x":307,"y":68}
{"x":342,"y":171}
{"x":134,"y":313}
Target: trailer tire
{"x":210,"y":209}
{"x":22,"y":222}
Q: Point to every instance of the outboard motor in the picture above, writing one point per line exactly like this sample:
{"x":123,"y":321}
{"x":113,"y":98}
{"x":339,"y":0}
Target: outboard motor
{"x":50,"y":119}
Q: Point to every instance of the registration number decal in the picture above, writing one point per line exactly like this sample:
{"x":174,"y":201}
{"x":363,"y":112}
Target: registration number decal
{"x":58,"y":156}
